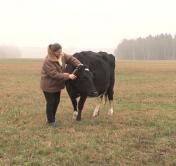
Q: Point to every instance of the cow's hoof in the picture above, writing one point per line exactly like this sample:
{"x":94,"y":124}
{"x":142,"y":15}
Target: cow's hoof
{"x":110,"y":112}
{"x":95,"y":114}
{"x":78,"y":118}
{"x":75,"y":114}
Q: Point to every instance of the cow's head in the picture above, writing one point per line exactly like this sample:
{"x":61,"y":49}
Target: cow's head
{"x":84,"y":81}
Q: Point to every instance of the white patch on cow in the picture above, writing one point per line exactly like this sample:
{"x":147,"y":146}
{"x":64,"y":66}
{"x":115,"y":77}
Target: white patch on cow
{"x":75,"y":114}
{"x":96,"y":110}
{"x":86,"y":69}
{"x":110,"y":111}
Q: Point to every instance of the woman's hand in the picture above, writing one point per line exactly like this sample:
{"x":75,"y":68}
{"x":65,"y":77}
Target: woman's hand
{"x":72,"y":76}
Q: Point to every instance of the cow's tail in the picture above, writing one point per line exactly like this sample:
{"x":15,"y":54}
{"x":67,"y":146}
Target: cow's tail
{"x":105,"y":98}
{"x":105,"y":95}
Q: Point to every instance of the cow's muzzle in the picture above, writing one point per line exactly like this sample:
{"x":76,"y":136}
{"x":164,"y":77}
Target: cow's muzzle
{"x":93,"y":94}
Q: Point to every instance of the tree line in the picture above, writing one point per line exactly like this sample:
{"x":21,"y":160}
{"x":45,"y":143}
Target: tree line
{"x":159,"y":47}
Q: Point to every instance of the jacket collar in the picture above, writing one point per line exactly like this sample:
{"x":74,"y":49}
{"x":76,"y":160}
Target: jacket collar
{"x":53,"y":58}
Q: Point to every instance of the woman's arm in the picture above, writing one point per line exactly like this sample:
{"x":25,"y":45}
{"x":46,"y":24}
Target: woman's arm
{"x":50,"y":69}
{"x":72,"y":60}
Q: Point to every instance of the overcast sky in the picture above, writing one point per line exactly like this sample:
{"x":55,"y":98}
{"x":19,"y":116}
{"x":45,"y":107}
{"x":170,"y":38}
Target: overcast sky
{"x":83,"y":23}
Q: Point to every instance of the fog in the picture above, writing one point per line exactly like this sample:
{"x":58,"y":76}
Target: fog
{"x":41,"y":52}
{"x":81,"y":25}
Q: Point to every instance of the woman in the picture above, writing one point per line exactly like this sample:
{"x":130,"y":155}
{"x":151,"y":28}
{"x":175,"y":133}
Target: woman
{"x":53,"y":78}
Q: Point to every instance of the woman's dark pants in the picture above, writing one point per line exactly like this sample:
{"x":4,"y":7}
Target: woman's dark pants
{"x":52,"y":102}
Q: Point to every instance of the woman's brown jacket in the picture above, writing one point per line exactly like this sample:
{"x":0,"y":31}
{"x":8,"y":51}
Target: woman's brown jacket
{"x":52,"y":75}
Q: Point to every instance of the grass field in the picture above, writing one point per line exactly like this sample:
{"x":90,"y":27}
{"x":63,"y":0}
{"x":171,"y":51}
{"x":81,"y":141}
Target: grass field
{"x":142,"y":130}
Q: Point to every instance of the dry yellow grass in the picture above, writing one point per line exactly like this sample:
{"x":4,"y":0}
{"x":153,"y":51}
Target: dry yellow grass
{"x":141,"y":132}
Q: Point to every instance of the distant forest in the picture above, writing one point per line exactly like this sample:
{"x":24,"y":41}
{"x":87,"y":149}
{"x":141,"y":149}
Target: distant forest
{"x":160,"y":47}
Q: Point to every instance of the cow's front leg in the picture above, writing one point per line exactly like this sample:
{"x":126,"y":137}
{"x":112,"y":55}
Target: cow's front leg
{"x":110,"y":111}
{"x":75,"y":114}
{"x":74,"y":103}
{"x":97,"y":108}
{"x":80,"y":107}
{"x":110,"y":93}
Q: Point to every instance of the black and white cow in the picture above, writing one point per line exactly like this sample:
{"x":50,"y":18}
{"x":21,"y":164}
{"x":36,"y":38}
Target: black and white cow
{"x":95,"y":78}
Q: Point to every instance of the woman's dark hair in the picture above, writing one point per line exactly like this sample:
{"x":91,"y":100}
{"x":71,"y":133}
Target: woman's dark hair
{"x":54,"y":47}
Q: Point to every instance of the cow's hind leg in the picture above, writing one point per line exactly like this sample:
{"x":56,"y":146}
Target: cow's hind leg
{"x":97,"y":108}
{"x":110,"y":111}
{"x":110,"y":98}
{"x":80,"y":107}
